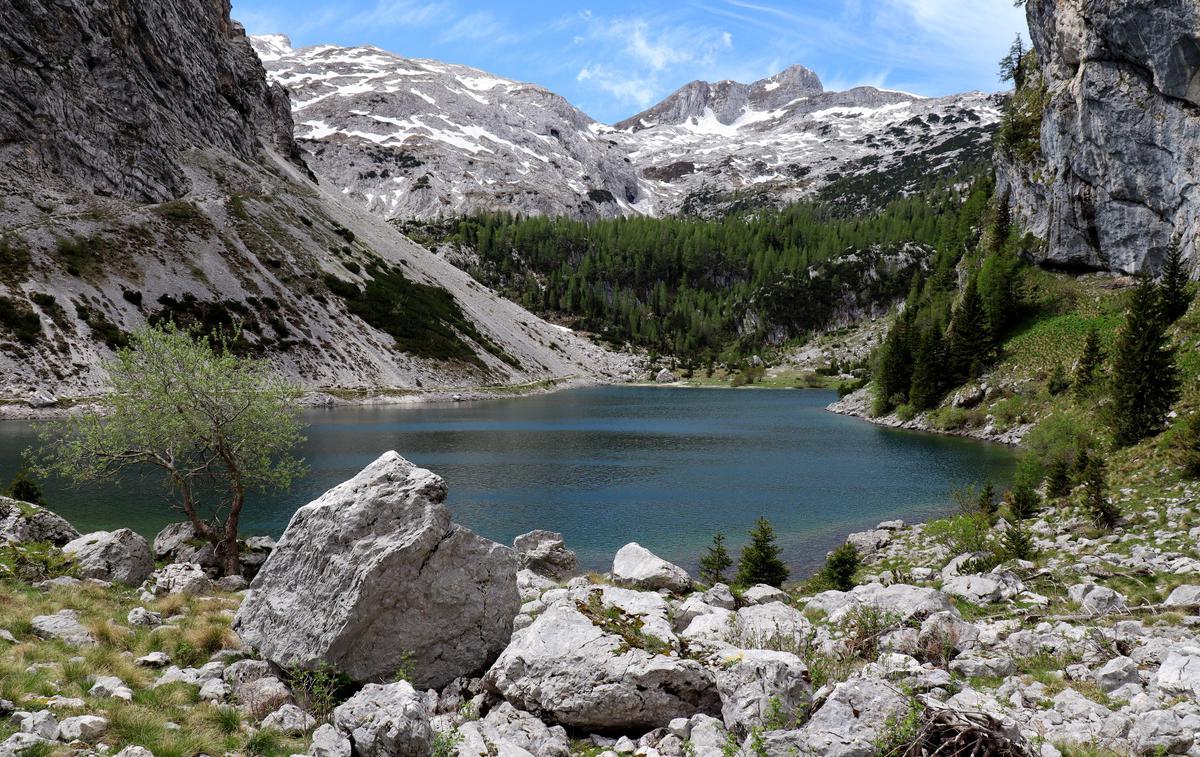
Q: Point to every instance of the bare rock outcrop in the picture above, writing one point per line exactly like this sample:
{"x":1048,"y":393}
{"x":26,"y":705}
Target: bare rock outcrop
{"x":373,"y":579}
{"x":1116,"y":179}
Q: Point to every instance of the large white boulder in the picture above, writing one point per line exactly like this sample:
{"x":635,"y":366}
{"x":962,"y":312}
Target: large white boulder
{"x":1095,"y":599}
{"x":901,"y":601}
{"x":386,"y":721}
{"x":639,"y":568}
{"x":591,"y":664}
{"x":23,"y":522}
{"x":122,"y":556}
{"x":847,"y":724}
{"x":1180,"y":671}
{"x":180,"y":578}
{"x":373,"y":578}
{"x":1187,"y":595}
{"x":546,"y":554}
{"x":758,"y":684}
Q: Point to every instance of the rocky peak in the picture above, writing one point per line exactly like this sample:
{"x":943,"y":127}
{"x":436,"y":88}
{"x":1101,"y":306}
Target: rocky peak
{"x":727,"y":100}
{"x":107,"y":96}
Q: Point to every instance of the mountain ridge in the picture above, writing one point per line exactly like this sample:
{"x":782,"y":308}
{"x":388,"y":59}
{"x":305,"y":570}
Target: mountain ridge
{"x":448,"y":149}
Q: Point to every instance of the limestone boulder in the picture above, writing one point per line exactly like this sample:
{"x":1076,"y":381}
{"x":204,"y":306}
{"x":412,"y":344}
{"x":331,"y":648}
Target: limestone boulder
{"x":23,"y":522}
{"x":63,"y":625}
{"x":846,"y":724}
{"x":121,"y":556}
{"x":589,"y":664}
{"x":639,"y":568}
{"x":753,"y":683}
{"x":180,"y":578}
{"x":386,"y":721}
{"x":508,"y":731}
{"x":546,"y":554}
{"x":1095,"y":599}
{"x":373,"y":578}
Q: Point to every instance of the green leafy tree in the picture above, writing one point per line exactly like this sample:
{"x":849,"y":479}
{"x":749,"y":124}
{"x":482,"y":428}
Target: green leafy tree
{"x":1089,"y":363}
{"x":1176,"y":285}
{"x":759,"y":562}
{"x":213,"y":425}
{"x":715,"y":561}
{"x":1023,"y":501}
{"x":1102,"y":510}
{"x":1145,"y":380}
{"x":25,"y":489}
{"x":840,"y":567}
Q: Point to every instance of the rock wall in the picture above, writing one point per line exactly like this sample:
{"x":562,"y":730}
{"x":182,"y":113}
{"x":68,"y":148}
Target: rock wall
{"x":1117,"y":179}
{"x":106,"y":95}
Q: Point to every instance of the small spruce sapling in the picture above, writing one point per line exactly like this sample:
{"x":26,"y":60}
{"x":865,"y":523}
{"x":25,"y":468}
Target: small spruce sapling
{"x":715,"y":561}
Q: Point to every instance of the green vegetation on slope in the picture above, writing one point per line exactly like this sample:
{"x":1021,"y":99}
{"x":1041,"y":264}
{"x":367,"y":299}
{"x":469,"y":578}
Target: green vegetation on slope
{"x":703,"y":289}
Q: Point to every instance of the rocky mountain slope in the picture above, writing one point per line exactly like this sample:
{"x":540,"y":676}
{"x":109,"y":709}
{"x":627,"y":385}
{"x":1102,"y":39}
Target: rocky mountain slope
{"x":422,"y":139}
{"x":1114,"y":179}
{"x":149,"y":174}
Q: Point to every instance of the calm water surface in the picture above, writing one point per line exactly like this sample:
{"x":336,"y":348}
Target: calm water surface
{"x":609,"y":465}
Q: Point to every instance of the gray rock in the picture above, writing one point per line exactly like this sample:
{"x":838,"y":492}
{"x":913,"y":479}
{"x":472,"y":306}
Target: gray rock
{"x":180,"y":578}
{"x":23,"y":522}
{"x":978,"y":665}
{"x":154,"y":660}
{"x":869,"y":542}
{"x":135,"y":751}
{"x":19,"y":743}
{"x":1116,"y":673}
{"x":232,"y":583}
{"x":944,"y":635}
{"x":385,"y":721}
{"x":171,"y":538}
{"x":665,"y":377}
{"x":111,"y":687}
{"x":63,"y":625}
{"x":1095,"y":599}
{"x":847,"y":724}
{"x":977,"y":589}
{"x":122,"y":556}
{"x":42,"y":724}
{"x":262,"y":696}
{"x":719,"y":596}
{"x":753,"y":682}
{"x":142,"y":618}
{"x":506,"y":730}
{"x":1180,"y":671}
{"x":570,"y":669}
{"x":639,"y":568}
{"x":1108,"y":190}
{"x":1160,"y":732}
{"x":289,"y":719}
{"x":328,"y":742}
{"x":546,"y":554}
{"x":341,"y":585}
{"x":1187,"y":595}
{"x":82,"y":728}
{"x":762,"y":594}
{"x":214,"y":690}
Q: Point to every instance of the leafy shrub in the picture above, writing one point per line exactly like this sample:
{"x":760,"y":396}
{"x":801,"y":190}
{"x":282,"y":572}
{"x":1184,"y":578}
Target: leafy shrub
{"x":19,"y":319}
{"x":102,"y":329}
{"x":961,"y":533}
{"x":840,"y":567}
{"x":1060,"y":436}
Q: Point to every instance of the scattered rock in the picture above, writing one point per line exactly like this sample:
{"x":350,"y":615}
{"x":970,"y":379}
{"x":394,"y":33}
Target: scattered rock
{"x":82,"y":728}
{"x":1095,"y":599}
{"x":328,"y":742}
{"x":546,"y":554}
{"x":385,"y":721}
{"x":63,"y":625}
{"x":665,"y":377}
{"x":508,"y":731}
{"x":1184,"y":596}
{"x":172,"y":538}
{"x":340,"y":586}
{"x":289,"y":719}
{"x":142,"y":618}
{"x":111,"y":687}
{"x":122,"y":556}
{"x":180,"y":578}
{"x":42,"y":724}
{"x":639,"y":568}
{"x":761,"y":594}
{"x":23,"y":522}
{"x":752,"y":682}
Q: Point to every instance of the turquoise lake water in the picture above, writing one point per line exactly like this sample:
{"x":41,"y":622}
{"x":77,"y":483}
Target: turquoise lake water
{"x":609,"y":465}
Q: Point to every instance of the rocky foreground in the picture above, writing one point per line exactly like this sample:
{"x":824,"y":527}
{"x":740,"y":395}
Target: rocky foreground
{"x":376,"y":626}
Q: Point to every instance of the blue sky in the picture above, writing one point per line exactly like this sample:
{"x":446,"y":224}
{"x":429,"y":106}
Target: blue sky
{"x":615,"y":58}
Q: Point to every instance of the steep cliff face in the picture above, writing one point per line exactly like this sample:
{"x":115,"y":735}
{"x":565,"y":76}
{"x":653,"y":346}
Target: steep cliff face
{"x":148,"y":173}
{"x":106,"y":95}
{"x":1118,"y":175}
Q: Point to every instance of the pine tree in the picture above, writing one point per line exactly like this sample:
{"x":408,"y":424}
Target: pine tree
{"x":1176,"y":285}
{"x":1058,"y":477}
{"x":1058,"y":381}
{"x":1010,"y":65}
{"x":1103,"y":511}
{"x":840,"y":567}
{"x":24,"y":489}
{"x":1023,"y":502}
{"x":1017,"y":544}
{"x":928,"y":378}
{"x":894,"y":374}
{"x":759,"y":562}
{"x":1089,"y":363}
{"x":987,"y":500}
{"x":1145,"y":378}
{"x":715,"y":561}
{"x":970,"y":337}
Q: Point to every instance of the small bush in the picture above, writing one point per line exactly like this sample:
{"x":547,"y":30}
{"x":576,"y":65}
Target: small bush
{"x":840,"y":567}
{"x":961,"y":533}
{"x":19,"y":319}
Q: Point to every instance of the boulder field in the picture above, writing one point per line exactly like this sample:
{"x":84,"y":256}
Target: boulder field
{"x":447,"y":643}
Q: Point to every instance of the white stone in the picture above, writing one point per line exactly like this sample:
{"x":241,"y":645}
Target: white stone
{"x":385,"y":721}
{"x":342,"y":585}
{"x":63,"y":625}
{"x":82,"y":728}
{"x":761,"y":594}
{"x":639,"y":568}
{"x":121,"y":556}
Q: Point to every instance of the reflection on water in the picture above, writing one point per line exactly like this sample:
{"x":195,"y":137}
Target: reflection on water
{"x":609,"y":465}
